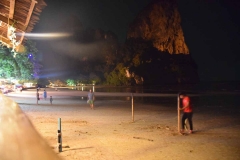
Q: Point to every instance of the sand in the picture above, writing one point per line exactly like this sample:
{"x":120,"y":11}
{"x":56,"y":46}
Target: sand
{"x":109,"y":132}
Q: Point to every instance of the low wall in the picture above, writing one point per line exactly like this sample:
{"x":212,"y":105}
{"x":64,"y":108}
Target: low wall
{"x":18,"y":138}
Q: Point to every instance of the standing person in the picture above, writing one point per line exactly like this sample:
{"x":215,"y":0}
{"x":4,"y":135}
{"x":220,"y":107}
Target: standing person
{"x":45,"y":94}
{"x":187,"y":112}
{"x":37,"y":96}
{"x":91,"y":99}
{"x":51,"y":99}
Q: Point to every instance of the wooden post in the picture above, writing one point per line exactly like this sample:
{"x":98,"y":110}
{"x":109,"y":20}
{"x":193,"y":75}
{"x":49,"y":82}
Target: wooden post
{"x":132,"y":109}
{"x":178,"y":109}
{"x":59,"y":134}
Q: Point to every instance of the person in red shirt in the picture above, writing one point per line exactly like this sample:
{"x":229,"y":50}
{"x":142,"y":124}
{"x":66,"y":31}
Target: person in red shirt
{"x":187,"y":112}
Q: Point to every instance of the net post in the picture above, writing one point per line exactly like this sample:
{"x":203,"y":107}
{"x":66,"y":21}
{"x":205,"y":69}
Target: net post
{"x":59,"y":135}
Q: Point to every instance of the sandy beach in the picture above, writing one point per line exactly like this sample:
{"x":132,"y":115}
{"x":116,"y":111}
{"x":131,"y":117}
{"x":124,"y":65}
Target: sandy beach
{"x":108,"y":132}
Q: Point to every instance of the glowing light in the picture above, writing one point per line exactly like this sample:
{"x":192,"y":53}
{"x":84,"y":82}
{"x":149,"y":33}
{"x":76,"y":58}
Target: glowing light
{"x":12,"y":28}
{"x":29,"y":55}
{"x":12,"y":37}
{"x":45,"y":35}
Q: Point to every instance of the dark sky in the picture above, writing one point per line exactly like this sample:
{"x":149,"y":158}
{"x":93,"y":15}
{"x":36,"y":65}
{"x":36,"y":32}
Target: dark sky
{"x":211,"y":28}
{"x":114,"y":15}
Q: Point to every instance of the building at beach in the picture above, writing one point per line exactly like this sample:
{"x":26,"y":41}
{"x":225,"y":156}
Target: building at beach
{"x":18,"y":17}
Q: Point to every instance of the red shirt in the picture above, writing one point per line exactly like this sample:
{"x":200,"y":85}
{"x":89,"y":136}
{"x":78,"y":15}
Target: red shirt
{"x":186,"y":102}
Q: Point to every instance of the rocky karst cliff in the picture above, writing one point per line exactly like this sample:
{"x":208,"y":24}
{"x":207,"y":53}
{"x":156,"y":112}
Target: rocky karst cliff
{"x":160,"y":25}
{"x":160,"y":22}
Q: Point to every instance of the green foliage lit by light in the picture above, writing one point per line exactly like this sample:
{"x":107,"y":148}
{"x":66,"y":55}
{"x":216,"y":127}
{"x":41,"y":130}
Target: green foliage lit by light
{"x":118,"y":76}
{"x":8,"y":65}
{"x":71,"y":82}
{"x":20,"y":66}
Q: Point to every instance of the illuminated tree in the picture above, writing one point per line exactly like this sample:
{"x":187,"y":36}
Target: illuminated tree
{"x":71,"y":82}
{"x":8,"y":65}
{"x":118,"y":76}
{"x":22,"y":66}
{"x":59,"y":83}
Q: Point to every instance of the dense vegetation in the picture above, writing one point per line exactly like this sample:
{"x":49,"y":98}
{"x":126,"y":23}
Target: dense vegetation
{"x":22,"y":66}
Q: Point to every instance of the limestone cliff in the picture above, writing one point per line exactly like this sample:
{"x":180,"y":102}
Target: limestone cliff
{"x":160,"y":22}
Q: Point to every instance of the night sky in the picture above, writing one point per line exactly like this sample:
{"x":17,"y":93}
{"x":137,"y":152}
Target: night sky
{"x":211,"y":29}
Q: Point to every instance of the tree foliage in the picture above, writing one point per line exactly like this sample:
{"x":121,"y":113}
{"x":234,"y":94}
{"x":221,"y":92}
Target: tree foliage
{"x":118,"y":76}
{"x":8,"y":64}
{"x":59,"y":83}
{"x":22,"y":66}
{"x":71,"y":82}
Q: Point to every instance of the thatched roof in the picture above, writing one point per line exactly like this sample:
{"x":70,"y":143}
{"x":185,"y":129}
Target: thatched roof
{"x":20,"y":14}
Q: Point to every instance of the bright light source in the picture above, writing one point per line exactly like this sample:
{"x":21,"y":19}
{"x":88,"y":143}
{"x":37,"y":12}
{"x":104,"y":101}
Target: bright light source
{"x":29,"y":55}
{"x":45,"y":35}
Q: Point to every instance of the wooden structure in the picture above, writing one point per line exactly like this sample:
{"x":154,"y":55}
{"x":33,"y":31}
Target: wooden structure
{"x":18,"y":17}
{"x":19,"y":139}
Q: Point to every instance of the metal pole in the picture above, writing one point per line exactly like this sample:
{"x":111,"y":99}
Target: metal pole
{"x":132,"y":109}
{"x":178,"y":109}
{"x":59,"y":134}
